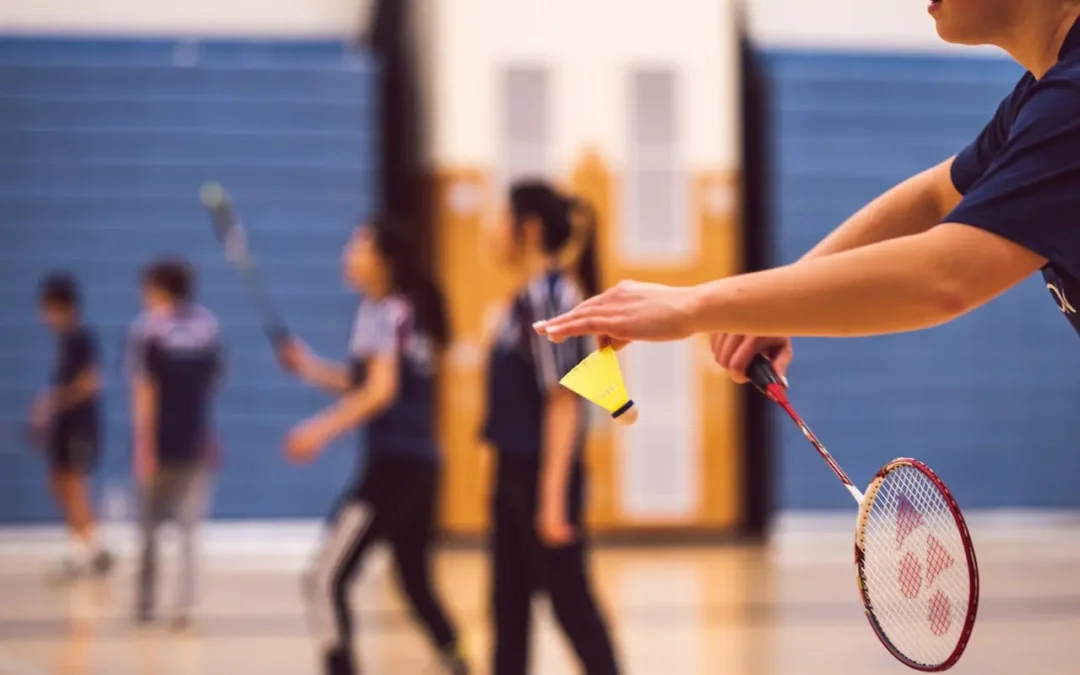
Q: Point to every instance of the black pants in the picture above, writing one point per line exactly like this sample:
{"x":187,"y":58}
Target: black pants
{"x":524,"y":566}
{"x":396,"y":503}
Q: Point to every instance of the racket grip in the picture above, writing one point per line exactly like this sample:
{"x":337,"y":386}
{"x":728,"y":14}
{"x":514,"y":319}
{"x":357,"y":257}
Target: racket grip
{"x":762,"y":374}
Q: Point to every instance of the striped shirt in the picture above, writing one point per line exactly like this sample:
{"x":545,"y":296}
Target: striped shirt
{"x":525,"y":368}
{"x":387,"y":328}
{"x":181,"y":355}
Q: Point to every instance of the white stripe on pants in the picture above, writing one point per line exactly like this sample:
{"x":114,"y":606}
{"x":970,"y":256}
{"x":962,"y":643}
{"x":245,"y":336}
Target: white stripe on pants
{"x":349,"y":528}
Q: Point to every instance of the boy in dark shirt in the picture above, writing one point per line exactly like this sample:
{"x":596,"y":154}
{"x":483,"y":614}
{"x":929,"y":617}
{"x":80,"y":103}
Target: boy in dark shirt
{"x":65,"y":418}
{"x":174,"y":358}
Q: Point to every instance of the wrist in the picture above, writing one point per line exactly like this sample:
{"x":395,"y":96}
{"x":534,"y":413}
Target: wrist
{"x":697,"y":306}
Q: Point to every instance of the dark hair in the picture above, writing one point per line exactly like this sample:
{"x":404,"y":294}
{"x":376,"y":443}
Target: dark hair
{"x":173,"y":276}
{"x":565,"y":222}
{"x":411,"y":275}
{"x":59,"y":290}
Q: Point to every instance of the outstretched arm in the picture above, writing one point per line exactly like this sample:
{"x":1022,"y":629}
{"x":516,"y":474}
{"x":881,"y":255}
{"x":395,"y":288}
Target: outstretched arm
{"x":894,"y":286}
{"x":912,"y":207}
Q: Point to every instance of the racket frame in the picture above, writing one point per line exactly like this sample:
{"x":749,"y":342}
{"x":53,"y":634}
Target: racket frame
{"x":230,"y":231}
{"x":969,"y":554}
{"x":765,"y":379}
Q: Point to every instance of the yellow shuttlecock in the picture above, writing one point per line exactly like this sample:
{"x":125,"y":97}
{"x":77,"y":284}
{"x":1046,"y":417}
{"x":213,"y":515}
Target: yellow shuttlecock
{"x":598,"y":379}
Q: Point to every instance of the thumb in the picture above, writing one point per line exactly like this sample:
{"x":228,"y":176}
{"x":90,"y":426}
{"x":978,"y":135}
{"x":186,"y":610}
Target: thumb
{"x":781,"y":362}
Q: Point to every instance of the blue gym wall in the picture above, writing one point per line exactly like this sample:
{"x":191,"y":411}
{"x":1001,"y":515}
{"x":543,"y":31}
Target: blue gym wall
{"x":990,"y":401}
{"x":103,"y":147}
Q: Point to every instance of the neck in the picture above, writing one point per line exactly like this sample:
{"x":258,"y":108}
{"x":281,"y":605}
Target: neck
{"x":1037,"y":40}
{"x":536,"y":263}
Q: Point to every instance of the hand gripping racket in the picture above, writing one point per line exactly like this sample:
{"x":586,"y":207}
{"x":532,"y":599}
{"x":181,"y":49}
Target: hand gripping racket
{"x":915,"y":562}
{"x":230,"y":231}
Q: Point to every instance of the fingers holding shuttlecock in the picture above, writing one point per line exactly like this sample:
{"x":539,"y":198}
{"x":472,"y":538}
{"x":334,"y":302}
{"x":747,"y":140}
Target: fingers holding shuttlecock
{"x":598,"y":379}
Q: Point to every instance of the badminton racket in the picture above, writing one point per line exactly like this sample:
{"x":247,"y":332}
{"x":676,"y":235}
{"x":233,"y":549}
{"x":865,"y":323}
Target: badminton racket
{"x":917,"y":574}
{"x":233,"y":237}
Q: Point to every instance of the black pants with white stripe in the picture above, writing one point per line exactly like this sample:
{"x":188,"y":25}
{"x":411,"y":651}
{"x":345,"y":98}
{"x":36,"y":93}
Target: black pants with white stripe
{"x":524,"y":566}
{"x":395,"y":503}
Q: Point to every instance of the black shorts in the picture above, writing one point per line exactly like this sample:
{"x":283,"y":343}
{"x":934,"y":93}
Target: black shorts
{"x":74,"y":451}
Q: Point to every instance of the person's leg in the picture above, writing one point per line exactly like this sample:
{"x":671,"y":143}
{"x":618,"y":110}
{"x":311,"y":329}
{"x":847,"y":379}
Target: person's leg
{"x":565,"y":576}
{"x":190,"y":510}
{"x":326,"y":585}
{"x":512,"y":575}
{"x":154,"y":498}
{"x":411,"y":539}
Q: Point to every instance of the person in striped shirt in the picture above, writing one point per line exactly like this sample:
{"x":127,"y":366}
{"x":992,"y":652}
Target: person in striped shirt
{"x":538,"y":430}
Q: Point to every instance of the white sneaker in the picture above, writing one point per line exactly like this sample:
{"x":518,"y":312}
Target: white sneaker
{"x":68,"y":571}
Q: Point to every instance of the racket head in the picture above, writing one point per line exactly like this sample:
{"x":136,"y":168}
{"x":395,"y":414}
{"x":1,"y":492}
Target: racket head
{"x":917,"y":572}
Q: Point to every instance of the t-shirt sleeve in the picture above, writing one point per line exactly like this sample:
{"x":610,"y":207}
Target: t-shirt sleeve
{"x":1030,"y":192}
{"x":377,"y":329}
{"x":553,"y":360}
{"x":83,"y":353}
{"x":971,"y":162}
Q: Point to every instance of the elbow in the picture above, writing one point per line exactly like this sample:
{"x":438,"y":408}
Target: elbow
{"x":951,"y":296}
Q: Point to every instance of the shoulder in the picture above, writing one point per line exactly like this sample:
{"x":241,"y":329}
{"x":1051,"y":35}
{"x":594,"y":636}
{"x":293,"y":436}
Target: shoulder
{"x":206,"y":319}
{"x":1053,"y":101}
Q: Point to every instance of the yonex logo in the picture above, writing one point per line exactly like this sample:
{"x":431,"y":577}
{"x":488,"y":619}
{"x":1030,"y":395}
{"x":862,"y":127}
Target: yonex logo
{"x":910,"y":570}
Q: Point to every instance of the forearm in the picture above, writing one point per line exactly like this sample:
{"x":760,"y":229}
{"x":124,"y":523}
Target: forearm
{"x":911,"y":207}
{"x":327,"y":375}
{"x":350,"y":412}
{"x":143,"y":416}
{"x":894,"y":286}
{"x":85,"y":387}
{"x":561,"y":419}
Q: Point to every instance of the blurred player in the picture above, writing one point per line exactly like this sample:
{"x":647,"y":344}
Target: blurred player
{"x":933,"y":248}
{"x":176,"y":364}
{"x":537,"y":429}
{"x":66,"y":419}
{"x":400,"y":331}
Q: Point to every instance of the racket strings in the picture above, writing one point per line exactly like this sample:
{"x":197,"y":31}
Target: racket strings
{"x":915,"y":567}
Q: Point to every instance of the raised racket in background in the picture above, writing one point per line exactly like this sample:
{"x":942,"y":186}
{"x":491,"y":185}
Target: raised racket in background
{"x":916,"y":566}
{"x":230,"y":232}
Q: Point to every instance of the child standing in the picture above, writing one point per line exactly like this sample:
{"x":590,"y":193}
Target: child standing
{"x":66,"y":419}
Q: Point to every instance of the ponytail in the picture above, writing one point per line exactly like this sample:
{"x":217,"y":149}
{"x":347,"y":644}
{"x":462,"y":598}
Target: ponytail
{"x":585,"y":261}
{"x":429,"y":303}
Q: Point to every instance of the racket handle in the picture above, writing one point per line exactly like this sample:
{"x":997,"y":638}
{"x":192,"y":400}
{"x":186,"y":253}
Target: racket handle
{"x":762,"y":374}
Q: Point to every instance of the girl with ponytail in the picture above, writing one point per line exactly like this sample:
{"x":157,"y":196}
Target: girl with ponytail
{"x":537,"y":429}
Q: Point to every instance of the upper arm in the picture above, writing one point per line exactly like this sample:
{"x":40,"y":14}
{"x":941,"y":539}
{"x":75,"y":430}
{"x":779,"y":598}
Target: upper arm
{"x":978,"y":264}
{"x":942,"y":186}
{"x":1028,"y":194}
{"x":376,"y":340}
{"x":382,"y":377}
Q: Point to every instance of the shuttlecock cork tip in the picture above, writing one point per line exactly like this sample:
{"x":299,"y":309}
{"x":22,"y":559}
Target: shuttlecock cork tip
{"x":212,"y":194}
{"x":626,"y":415}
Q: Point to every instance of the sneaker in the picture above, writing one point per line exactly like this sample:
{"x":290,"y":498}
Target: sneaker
{"x":102,"y":563}
{"x":181,"y":622}
{"x":144,"y":616}
{"x":454,"y":663}
{"x":67,"y":571}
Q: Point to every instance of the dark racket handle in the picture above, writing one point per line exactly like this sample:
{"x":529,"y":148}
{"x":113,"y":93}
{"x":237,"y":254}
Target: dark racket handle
{"x":762,"y":374}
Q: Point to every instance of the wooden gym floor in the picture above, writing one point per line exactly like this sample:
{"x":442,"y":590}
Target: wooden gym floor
{"x":786,"y":609}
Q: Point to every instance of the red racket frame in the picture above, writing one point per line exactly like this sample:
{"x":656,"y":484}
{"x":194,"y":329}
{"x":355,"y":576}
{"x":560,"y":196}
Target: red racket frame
{"x":765,"y":379}
{"x":969,"y":553}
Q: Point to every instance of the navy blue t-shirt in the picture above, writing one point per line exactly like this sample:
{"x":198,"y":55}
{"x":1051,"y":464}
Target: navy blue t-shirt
{"x":387,"y":327}
{"x":524,"y":368}
{"x":1020,"y":178}
{"x":181,"y":355}
{"x":78,"y":354}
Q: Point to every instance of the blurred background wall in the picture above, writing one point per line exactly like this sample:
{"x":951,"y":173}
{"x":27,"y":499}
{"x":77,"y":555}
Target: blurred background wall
{"x":107,"y":131}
